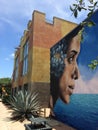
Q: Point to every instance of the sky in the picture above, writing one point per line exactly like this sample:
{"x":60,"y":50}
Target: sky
{"x":88,"y":80}
{"x":14,"y":16}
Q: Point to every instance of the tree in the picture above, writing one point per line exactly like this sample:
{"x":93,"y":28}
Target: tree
{"x":5,"y":81}
{"x":90,"y":6}
{"x":5,"y":88}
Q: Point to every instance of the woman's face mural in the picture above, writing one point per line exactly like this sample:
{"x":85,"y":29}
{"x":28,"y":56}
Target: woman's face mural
{"x":71,"y":71}
{"x":74,"y":86}
{"x":64,"y":69}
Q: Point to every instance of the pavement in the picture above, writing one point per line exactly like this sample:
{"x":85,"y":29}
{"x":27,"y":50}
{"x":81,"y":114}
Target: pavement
{"x":6,"y":124}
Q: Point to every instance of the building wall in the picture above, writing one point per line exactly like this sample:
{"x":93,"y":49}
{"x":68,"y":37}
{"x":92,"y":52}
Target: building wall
{"x":41,"y":65}
{"x":74,"y":78}
{"x":41,"y":35}
{"x":45,"y":35}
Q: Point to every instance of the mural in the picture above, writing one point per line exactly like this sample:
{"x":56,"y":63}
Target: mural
{"x":74,"y":85}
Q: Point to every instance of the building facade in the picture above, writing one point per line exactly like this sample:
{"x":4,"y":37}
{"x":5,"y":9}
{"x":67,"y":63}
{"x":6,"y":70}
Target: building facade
{"x":32,"y":56}
{"x":74,"y":77}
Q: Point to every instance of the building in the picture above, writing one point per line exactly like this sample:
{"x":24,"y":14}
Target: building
{"x":32,"y":56}
{"x":76,"y":59}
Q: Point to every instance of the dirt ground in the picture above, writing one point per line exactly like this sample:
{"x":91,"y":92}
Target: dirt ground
{"x":5,"y":124}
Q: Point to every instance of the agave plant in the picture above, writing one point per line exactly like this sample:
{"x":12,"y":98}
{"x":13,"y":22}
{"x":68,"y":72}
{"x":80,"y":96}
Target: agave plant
{"x":23,"y":105}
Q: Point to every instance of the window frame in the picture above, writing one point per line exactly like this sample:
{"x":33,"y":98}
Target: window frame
{"x":25,"y":58}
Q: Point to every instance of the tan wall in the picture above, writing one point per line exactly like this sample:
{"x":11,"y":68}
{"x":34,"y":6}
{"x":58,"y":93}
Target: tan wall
{"x":42,"y":36}
{"x":46,"y":35}
{"x":41,"y":65}
{"x":66,"y":27}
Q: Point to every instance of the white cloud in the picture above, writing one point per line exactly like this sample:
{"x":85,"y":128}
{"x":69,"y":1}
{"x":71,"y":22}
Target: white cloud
{"x":12,"y":11}
{"x":90,"y":86}
{"x":12,"y":55}
{"x":87,"y":82}
{"x":17,"y":13}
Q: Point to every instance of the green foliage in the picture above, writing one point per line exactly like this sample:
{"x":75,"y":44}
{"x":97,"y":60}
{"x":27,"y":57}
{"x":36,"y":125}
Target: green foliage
{"x":5,"y":88}
{"x":5,"y":99}
{"x":24,"y":104}
{"x":81,"y":5}
{"x":94,"y":64}
{"x":5,"y":81}
{"x":90,"y":23}
{"x":77,"y":7}
{"x":6,"y":94}
{"x":81,"y":32}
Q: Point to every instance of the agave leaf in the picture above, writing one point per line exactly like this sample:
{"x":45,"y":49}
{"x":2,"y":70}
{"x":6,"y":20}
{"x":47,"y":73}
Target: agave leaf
{"x":27,"y":101}
{"x":24,"y":103}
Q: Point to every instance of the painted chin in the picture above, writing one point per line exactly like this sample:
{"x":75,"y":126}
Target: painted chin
{"x":66,"y":98}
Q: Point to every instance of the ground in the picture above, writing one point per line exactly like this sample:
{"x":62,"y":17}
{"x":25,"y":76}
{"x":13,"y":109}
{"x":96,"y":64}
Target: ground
{"x":5,"y":124}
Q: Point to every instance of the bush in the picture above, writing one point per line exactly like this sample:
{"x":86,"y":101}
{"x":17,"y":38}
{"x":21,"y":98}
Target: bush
{"x":24,"y":104}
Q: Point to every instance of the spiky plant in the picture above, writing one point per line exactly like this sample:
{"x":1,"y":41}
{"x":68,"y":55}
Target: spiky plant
{"x":23,"y":105}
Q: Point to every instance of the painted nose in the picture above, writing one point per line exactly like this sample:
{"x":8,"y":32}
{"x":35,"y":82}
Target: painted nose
{"x":75,"y":74}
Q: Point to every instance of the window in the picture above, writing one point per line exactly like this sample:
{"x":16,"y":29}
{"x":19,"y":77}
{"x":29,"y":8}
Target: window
{"x":25,"y":58}
{"x":16,"y":68}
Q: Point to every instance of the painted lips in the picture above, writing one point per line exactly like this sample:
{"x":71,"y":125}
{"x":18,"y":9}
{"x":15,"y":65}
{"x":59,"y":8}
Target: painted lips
{"x":70,"y":88}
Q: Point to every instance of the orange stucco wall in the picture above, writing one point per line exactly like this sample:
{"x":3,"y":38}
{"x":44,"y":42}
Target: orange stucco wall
{"x":45,"y":35}
{"x":42,"y":36}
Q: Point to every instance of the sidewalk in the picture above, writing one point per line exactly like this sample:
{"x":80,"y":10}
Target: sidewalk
{"x":5,"y":124}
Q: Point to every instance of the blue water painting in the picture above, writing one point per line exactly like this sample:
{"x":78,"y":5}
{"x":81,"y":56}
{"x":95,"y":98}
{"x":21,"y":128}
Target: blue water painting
{"x":81,"y":113}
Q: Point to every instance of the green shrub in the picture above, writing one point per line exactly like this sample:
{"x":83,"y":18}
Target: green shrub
{"x":24,"y":104}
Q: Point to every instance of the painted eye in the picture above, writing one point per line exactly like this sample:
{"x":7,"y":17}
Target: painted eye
{"x":70,"y":59}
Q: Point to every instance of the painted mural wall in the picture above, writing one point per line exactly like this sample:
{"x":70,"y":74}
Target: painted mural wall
{"x":74,"y":85}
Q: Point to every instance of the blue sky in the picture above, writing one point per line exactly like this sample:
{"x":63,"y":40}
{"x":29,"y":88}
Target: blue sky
{"x":88,"y":80}
{"x":14,"y":16}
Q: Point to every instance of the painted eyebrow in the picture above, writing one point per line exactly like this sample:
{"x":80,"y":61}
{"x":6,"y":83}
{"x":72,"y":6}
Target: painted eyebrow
{"x":72,"y":52}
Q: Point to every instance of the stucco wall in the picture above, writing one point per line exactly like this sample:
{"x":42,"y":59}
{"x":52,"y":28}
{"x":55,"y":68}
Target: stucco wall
{"x":41,"y":35}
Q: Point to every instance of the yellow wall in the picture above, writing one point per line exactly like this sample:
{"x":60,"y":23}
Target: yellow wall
{"x":39,"y":51}
{"x":66,"y":27}
{"x":41,"y":65}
